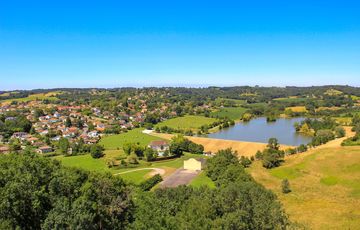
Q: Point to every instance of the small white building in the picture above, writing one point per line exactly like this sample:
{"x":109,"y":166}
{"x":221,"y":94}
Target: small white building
{"x":195,"y":164}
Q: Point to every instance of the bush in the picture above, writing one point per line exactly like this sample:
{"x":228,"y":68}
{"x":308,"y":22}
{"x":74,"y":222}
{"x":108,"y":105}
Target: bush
{"x":96,"y":151}
{"x":150,"y":183}
{"x":339,"y":132}
{"x":132,"y":159}
{"x":285,"y":186}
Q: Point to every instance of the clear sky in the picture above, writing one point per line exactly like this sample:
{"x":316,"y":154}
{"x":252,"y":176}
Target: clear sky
{"x":48,"y":44}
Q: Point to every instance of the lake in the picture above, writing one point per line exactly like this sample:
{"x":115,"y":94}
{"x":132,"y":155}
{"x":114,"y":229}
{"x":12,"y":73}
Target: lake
{"x":259,"y":130}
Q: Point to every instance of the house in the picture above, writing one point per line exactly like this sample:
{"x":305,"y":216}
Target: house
{"x":159,"y":146}
{"x":4,"y":149}
{"x":93,"y":134}
{"x":194,"y":164}
{"x":32,"y":140}
{"x":209,"y":154}
{"x":20,"y":135}
{"x":45,"y":149}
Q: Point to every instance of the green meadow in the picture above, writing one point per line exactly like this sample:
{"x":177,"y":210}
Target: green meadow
{"x":234,"y":113}
{"x":187,"y":122}
{"x":114,"y":142}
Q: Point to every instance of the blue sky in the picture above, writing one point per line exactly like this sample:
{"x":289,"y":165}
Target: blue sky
{"x":48,"y":44}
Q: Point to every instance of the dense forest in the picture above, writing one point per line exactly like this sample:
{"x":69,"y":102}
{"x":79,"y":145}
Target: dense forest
{"x":38,"y":192}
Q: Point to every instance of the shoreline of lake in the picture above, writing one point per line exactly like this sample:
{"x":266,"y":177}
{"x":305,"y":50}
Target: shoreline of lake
{"x":259,"y":130}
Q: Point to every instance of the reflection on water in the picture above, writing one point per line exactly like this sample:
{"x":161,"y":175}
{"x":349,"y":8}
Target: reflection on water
{"x":258,"y":130}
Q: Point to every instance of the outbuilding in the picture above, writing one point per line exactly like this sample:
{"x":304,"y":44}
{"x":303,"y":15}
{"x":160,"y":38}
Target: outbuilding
{"x":195,"y":164}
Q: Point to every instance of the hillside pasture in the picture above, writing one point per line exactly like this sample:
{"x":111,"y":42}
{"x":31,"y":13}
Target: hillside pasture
{"x":189,"y":122}
{"x":51,"y":96}
{"x":325,"y":187}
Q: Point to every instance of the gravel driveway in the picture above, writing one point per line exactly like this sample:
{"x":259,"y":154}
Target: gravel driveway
{"x":179,"y":177}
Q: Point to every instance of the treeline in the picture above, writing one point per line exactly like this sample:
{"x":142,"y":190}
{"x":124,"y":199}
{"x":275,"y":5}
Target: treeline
{"x":323,"y":129}
{"x":355,"y":140}
{"x":39,"y":193}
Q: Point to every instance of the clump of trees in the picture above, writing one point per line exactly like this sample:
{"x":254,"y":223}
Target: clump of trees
{"x":39,"y":193}
{"x":355,"y":140}
{"x":272,"y":156}
{"x":12,"y":122}
{"x":180,"y":144}
{"x":96,"y":151}
{"x":151,"y":182}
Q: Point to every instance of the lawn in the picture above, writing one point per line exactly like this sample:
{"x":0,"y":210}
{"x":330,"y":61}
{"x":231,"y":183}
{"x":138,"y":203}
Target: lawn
{"x":84,"y":162}
{"x":187,"y":122}
{"x":324,"y":182}
{"x":202,"y":180}
{"x":234,"y":113}
{"x":136,"y":177}
{"x":114,"y":142}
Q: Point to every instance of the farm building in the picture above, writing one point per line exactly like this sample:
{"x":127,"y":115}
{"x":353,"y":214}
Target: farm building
{"x":194,"y":164}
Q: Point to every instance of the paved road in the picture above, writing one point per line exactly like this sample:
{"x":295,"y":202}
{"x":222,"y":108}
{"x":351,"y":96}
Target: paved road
{"x":179,"y":177}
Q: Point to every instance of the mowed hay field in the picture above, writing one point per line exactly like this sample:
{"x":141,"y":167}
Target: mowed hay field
{"x":187,"y":122}
{"x":243,"y":148}
{"x":325,"y":185}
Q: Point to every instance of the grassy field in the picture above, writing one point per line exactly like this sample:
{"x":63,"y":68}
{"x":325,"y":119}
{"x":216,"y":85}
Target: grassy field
{"x":40,"y":96}
{"x":187,"y":122}
{"x":136,"y":177}
{"x":234,"y":113}
{"x":297,"y":109}
{"x":202,"y":180}
{"x":291,"y":99}
{"x":235,"y":101}
{"x":114,"y":142}
{"x":325,"y":187}
{"x":84,"y":162}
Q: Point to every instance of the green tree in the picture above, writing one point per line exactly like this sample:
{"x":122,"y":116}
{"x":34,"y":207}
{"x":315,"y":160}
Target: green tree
{"x":150,"y":154}
{"x":64,"y":145}
{"x":96,"y":151}
{"x":68,"y":122}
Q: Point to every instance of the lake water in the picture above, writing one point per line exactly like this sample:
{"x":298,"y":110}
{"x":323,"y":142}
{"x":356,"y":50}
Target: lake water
{"x":259,"y":130}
